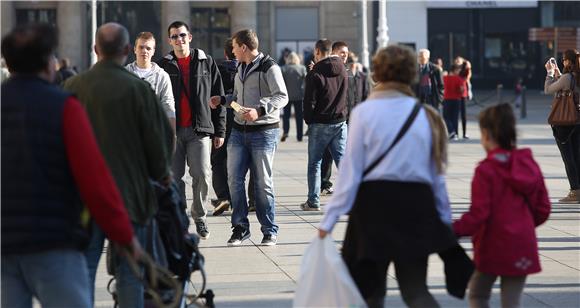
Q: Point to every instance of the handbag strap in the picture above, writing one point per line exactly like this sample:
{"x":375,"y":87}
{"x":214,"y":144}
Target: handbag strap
{"x":400,"y":135}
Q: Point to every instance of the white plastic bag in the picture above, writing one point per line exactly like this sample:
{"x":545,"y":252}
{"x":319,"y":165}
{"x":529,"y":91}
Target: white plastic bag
{"x":324,"y":278}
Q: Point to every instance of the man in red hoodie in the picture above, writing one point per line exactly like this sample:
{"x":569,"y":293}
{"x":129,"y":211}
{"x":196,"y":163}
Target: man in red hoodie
{"x":325,"y":112}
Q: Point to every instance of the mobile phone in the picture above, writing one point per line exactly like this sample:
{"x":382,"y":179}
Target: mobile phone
{"x":553,"y":61}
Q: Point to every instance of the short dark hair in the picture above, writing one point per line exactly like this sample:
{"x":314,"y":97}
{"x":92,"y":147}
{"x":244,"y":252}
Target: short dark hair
{"x":499,"y":121}
{"x":323,"y":45}
{"x":112,"y":45}
{"x":145,"y":36}
{"x":247,"y":37}
{"x":229,"y":48}
{"x":28,"y":48}
{"x":177,"y":24}
{"x":339,"y":44}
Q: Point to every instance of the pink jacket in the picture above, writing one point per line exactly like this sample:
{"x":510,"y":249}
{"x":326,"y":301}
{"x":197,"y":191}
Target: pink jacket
{"x":508,"y":200}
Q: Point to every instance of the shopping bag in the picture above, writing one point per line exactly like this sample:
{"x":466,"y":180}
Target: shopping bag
{"x":324,"y":278}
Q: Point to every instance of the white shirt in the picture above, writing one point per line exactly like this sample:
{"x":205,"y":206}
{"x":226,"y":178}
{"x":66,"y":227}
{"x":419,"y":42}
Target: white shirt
{"x":142,"y":72}
{"x":373,"y":126}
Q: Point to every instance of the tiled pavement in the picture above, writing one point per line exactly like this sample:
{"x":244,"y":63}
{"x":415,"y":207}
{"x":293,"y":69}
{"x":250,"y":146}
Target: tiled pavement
{"x":256,"y":276}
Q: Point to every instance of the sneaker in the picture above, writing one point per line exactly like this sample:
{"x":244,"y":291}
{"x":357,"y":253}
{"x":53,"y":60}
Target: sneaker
{"x":571,"y":198}
{"x":306,"y":206}
{"x":239,"y":234}
{"x":221,"y":207}
{"x":453,"y":137}
{"x":283,"y":138}
{"x":326,"y":191}
{"x":466,"y":137}
{"x":202,"y":230}
{"x":269,"y":240}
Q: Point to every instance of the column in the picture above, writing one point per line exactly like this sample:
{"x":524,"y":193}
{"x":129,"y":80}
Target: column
{"x":244,"y":15}
{"x":382,"y":38}
{"x":172,"y":11}
{"x":364,"y":34}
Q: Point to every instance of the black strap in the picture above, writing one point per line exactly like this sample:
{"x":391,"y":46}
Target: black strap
{"x":400,"y":135}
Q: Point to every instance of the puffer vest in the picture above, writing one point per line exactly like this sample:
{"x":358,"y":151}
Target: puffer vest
{"x":40,"y":203}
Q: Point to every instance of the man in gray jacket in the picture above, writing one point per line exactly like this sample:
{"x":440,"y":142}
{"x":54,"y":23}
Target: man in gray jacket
{"x":259,"y":94}
{"x":152,"y":73}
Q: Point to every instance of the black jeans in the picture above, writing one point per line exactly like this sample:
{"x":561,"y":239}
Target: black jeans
{"x":370,"y":277}
{"x":326,"y":170}
{"x":568,"y":141}
{"x":450,"y":114}
{"x":219,"y":159}
{"x":299,"y":118}
{"x":463,"y":114}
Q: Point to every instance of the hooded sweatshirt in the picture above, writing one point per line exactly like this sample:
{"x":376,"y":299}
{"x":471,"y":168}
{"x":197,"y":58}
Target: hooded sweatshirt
{"x":161,"y":84}
{"x":325,"y":92}
{"x":508,"y":200}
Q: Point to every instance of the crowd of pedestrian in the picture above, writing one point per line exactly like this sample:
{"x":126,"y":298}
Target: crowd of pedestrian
{"x":146,"y":121}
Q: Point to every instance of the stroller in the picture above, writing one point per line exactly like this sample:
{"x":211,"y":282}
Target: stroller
{"x":175,"y":257}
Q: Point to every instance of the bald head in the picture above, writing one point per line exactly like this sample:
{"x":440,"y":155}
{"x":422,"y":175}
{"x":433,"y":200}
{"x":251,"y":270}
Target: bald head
{"x":112,"y":41}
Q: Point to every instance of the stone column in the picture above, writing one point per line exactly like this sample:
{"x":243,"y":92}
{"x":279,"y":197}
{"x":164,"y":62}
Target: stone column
{"x":8,"y":16}
{"x":364,"y":35}
{"x":72,"y":29}
{"x":244,"y":15}
{"x":172,"y":11}
{"x":383,"y":38}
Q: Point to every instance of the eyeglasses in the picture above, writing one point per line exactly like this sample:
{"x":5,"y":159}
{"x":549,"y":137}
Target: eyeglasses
{"x":177,"y":36}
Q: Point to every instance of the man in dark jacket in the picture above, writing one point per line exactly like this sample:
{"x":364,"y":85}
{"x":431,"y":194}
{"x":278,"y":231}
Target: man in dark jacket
{"x":52,"y":169}
{"x":429,"y":90}
{"x":194,"y":78}
{"x":325,"y":112}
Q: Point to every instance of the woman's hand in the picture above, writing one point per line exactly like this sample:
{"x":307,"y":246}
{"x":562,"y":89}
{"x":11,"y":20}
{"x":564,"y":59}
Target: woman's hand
{"x":321,"y":233}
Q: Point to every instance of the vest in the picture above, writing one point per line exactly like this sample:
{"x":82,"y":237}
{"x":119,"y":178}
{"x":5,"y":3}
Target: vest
{"x":40,"y":203}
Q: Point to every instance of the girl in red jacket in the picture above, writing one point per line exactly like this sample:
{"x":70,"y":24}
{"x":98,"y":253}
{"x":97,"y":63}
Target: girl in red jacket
{"x":508,"y":200}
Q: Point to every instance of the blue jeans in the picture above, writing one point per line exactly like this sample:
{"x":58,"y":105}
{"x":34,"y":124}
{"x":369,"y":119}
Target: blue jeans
{"x":129,"y":288}
{"x":253,"y":151}
{"x":322,"y":136}
{"x":57,"y":278}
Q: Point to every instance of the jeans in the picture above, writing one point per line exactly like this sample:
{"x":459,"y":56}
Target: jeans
{"x":568,"y":141}
{"x":195,"y":149}
{"x":463,"y":113}
{"x":57,"y":278}
{"x":129,"y":288}
{"x":299,"y":118}
{"x":480,"y":286}
{"x":322,"y":136}
{"x":219,"y":163}
{"x":451,"y":114}
{"x":326,"y":170}
{"x":253,"y":151}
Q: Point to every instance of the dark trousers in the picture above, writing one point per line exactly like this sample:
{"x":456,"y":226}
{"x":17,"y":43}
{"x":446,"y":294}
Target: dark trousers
{"x":326,"y":170}
{"x":568,"y":141}
{"x":463,"y":115}
{"x":370,"y":277}
{"x":219,"y":162}
{"x":450,"y":114}
{"x":297,"y":114}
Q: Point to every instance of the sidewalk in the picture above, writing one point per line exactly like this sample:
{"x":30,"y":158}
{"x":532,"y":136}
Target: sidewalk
{"x":256,"y":276}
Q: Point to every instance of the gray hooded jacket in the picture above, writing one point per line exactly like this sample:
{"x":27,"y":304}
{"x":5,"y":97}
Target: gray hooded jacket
{"x":161,"y":84}
{"x":259,"y":89}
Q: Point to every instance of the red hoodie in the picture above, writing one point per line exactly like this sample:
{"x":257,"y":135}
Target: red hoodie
{"x":508,"y":201}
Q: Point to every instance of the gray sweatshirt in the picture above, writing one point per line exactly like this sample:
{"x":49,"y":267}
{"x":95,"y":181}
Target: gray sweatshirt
{"x":258,"y":89}
{"x":161,"y":84}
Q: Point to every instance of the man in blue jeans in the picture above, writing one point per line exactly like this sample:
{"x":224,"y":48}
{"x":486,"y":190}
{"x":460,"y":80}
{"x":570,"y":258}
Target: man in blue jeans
{"x":259,"y":94}
{"x":325,"y":112}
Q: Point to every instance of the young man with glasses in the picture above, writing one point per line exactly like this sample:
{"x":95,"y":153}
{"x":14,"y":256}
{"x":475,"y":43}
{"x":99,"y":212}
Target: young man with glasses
{"x":194,"y":78}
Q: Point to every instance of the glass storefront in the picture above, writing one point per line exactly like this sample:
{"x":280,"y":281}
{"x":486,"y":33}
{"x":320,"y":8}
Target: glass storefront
{"x":210,"y":28}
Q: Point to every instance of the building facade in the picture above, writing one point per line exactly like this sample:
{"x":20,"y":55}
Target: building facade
{"x":492,"y":34}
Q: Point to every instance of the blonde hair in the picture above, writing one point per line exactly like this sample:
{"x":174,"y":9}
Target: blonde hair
{"x":292,"y":58}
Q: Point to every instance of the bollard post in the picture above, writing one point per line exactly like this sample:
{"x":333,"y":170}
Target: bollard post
{"x":499,"y":93}
{"x":524,"y":111}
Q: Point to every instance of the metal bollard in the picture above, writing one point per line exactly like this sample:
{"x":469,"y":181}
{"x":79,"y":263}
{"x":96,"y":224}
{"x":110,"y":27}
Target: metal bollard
{"x":523,"y":110}
{"x":499,"y":93}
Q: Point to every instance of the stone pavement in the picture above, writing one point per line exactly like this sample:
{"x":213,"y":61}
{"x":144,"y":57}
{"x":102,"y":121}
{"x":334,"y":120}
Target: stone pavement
{"x":256,"y":276}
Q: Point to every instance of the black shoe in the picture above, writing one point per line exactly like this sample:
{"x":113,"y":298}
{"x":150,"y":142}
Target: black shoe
{"x":269,"y":240}
{"x":251,"y":208}
{"x":283,"y":137}
{"x":221,"y":207}
{"x":306,"y":206}
{"x":202,"y":230}
{"x":239,"y":234}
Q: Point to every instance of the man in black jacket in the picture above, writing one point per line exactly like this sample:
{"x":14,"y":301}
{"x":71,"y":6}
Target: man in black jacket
{"x":325,"y":112}
{"x":194,"y":78}
{"x":429,"y":90}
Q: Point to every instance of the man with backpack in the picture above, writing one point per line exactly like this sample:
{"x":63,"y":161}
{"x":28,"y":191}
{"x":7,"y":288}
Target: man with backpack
{"x":259,"y":94}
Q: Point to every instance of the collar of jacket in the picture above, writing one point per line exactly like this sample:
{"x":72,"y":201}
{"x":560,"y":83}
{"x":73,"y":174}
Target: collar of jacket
{"x":200,"y":55}
{"x":108,"y":63}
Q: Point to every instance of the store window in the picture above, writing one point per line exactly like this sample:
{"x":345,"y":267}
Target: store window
{"x":508,"y":54}
{"x":567,"y":13}
{"x":210,"y":28}
{"x":24,"y":16}
{"x":297,"y":31}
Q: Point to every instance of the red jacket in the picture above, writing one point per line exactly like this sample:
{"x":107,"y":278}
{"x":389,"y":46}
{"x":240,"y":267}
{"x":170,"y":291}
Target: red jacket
{"x":508,"y":200}
{"x":454,"y":87}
